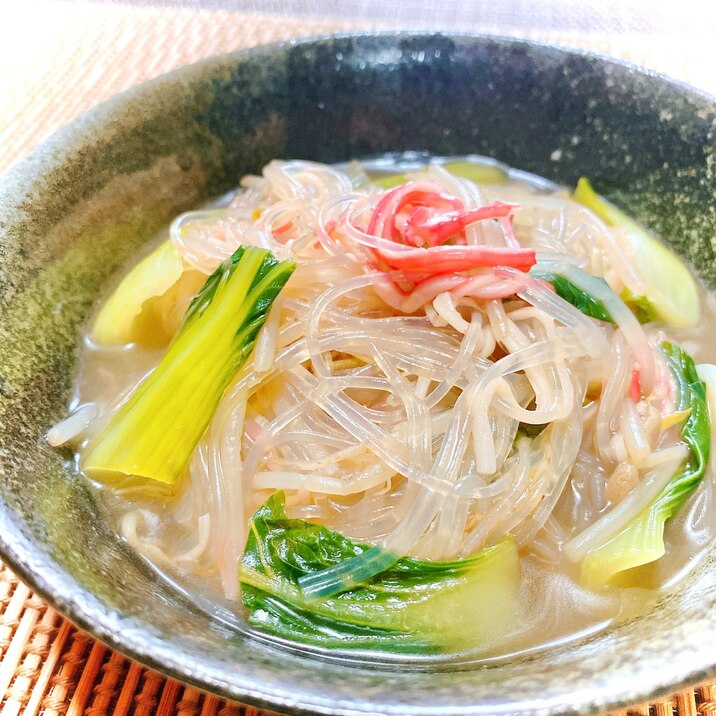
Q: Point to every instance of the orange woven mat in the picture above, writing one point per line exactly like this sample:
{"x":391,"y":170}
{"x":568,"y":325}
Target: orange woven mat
{"x":60,"y":57}
{"x":48,"y":667}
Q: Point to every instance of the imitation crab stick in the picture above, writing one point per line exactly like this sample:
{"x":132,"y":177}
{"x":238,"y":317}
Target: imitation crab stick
{"x":417,"y":214}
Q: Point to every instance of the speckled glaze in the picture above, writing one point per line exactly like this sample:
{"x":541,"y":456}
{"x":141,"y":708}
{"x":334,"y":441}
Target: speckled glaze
{"x":78,"y":207}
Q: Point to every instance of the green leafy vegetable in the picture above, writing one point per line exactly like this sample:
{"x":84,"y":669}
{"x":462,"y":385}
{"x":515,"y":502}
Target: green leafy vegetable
{"x":670,"y":287}
{"x":389,"y":181}
{"x":642,"y":541}
{"x":581,"y":300}
{"x":707,"y":373}
{"x":481,"y":174}
{"x":416,"y":605}
{"x":530,"y":430}
{"x":640,"y":306}
{"x":155,"y":431}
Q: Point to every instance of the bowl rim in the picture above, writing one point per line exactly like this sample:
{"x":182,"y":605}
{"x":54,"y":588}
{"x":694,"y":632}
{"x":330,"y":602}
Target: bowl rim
{"x":36,"y":568}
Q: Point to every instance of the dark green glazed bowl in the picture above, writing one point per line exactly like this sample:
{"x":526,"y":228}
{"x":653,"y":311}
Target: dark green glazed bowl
{"x":75,"y":210}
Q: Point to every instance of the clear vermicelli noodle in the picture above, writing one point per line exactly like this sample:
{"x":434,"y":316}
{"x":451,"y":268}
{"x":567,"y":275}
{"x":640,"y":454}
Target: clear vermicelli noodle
{"x":355,"y":408}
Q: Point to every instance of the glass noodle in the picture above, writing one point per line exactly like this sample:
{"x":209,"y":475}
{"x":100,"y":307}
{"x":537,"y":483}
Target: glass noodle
{"x":430,"y":415}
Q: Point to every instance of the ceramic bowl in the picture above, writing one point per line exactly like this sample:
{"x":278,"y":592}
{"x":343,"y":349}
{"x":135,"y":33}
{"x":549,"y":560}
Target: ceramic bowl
{"x":77,"y":208}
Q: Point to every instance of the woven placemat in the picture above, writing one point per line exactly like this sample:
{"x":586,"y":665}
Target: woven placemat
{"x":60,"y":57}
{"x":49,"y":667}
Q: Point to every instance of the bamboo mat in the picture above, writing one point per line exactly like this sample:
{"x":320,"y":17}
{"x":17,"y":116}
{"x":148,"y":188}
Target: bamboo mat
{"x":60,"y":57}
{"x":50,"y":668}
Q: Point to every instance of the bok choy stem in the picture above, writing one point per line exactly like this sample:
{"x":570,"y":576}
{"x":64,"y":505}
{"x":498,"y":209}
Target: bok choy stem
{"x":670,"y":291}
{"x":153,"y":433}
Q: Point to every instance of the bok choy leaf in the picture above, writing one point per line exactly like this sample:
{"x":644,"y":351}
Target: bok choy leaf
{"x":642,"y":541}
{"x":414,"y":606}
{"x":589,"y":304}
{"x":581,"y":300}
{"x":154,"y":432}
{"x":640,"y":306}
{"x":670,"y":288}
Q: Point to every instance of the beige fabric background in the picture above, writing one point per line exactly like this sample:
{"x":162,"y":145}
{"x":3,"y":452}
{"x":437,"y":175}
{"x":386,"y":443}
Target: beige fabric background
{"x":60,"y":57}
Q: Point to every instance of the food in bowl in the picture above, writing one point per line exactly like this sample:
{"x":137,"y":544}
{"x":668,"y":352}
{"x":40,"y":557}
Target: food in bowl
{"x":414,"y":406}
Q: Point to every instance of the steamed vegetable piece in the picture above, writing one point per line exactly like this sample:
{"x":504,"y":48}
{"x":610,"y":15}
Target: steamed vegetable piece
{"x":142,"y":308}
{"x":581,"y":300}
{"x":669,"y":286}
{"x":589,"y":303}
{"x":642,"y":541}
{"x":155,"y":431}
{"x":480,"y":174}
{"x":416,"y":605}
{"x":707,"y":373}
{"x":640,"y":306}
